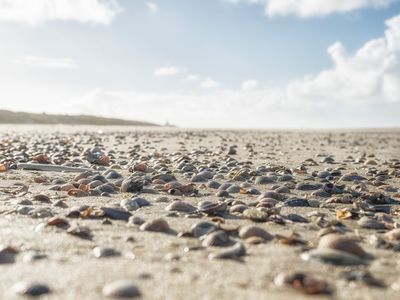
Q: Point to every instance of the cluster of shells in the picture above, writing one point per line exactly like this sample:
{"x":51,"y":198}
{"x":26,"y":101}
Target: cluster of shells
{"x":212,"y":186}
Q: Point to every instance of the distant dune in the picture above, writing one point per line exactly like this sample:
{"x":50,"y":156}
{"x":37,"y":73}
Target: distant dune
{"x":10,"y":117}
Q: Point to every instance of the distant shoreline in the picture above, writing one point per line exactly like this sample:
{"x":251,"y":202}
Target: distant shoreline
{"x":24,"y":118}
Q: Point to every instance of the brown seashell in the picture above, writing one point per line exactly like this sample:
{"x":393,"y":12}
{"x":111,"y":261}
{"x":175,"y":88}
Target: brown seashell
{"x":180,"y":206}
{"x":157,"y":225}
{"x":59,"y":222}
{"x":77,"y":193}
{"x":254,"y":231}
{"x":41,"y":159}
{"x":41,"y":198}
{"x":341,"y":243}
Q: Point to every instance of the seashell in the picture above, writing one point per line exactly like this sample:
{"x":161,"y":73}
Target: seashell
{"x":341,"y":243}
{"x":80,"y":231}
{"x":263,"y":180}
{"x":217,"y":238}
{"x":370,"y":223}
{"x":198,"y":178}
{"x":131,"y":185}
{"x":180,"y":206}
{"x":352,"y":177}
{"x":233,"y":252}
{"x":211,"y":208}
{"x":213,"y":184}
{"x":255,"y":215}
{"x":41,"y":159}
{"x":334,"y":257}
{"x":116,"y":213}
{"x":136,"y":220}
{"x":238,"y":208}
{"x":59,"y":222}
{"x":42,"y":198}
{"x":393,"y":235}
{"x":305,"y":283}
{"x":202,"y":228}
{"x":308,"y":186}
{"x":254,"y":231}
{"x":296,"y":202}
{"x":233,"y":189}
{"x":157,"y":225}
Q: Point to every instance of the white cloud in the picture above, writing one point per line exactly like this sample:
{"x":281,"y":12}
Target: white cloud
{"x":250,"y":84}
{"x":372,"y":74}
{"x":38,"y":11}
{"x":209,"y":83}
{"x":152,"y":7}
{"x":48,"y":62}
{"x":314,"y":8}
{"x":192,"y":77}
{"x":166,"y":71}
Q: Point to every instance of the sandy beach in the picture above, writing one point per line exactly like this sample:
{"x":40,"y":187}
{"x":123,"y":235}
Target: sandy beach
{"x":291,"y":184}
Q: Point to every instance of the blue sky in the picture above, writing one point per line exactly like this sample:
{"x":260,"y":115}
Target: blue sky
{"x":205,"y":63}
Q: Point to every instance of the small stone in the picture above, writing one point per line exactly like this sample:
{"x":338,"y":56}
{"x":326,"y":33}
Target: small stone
{"x":100,"y":251}
{"x":121,"y":289}
{"x":32,"y":289}
{"x":129,"y":204}
{"x":7,"y":255}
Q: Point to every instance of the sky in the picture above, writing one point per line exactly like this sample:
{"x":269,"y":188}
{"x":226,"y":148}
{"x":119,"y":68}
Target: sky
{"x":205,"y":63}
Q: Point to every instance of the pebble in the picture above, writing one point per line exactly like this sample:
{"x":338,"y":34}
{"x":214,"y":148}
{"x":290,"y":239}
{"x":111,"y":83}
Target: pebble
{"x":32,"y":289}
{"x":7,"y":255}
{"x":121,"y":289}
{"x":101,"y":251}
